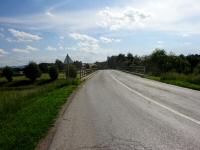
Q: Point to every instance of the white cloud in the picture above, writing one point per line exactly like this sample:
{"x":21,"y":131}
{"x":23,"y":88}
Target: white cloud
{"x":50,"y":48}
{"x":61,"y":47}
{"x":48,"y":13}
{"x":55,"y":20}
{"x":83,"y":37}
{"x":19,"y":50}
{"x":109,"y":40}
{"x":24,"y":36}
{"x":160,"y":42}
{"x":28,"y":49}
{"x":185,"y":35}
{"x":175,"y":16}
{"x":2,"y":52}
{"x":180,"y":16}
{"x":85,"y":42}
{"x":119,"y":18}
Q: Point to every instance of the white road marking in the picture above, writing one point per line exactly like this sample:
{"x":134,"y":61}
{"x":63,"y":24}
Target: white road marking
{"x":159,"y":104}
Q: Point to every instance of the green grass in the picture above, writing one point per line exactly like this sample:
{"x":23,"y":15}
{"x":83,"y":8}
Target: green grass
{"x":156,"y":78}
{"x":29,"y":110}
{"x":191,"y":81}
{"x":183,"y":84}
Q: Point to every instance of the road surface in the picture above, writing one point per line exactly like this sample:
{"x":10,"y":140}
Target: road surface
{"x":118,"y":111}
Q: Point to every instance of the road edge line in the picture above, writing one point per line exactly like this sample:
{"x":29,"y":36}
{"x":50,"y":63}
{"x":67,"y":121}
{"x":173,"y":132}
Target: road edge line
{"x":157,"y":103}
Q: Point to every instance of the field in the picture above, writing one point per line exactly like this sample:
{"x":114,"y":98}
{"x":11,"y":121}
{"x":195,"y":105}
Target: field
{"x":28,"y":110}
{"x":188,"y":81}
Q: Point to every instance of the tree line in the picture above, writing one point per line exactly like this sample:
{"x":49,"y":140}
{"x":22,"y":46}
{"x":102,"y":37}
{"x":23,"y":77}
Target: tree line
{"x":157,"y":63}
{"x":33,"y":70}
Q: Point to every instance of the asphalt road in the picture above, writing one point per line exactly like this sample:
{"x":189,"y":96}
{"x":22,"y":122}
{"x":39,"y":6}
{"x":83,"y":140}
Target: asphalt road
{"x":118,"y":111}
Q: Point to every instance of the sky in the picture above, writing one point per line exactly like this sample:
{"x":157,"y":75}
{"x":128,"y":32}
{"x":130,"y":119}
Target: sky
{"x":92,"y":30}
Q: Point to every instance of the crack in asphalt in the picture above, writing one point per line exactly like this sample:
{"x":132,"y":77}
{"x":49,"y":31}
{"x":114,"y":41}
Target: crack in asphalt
{"x":116,"y":144}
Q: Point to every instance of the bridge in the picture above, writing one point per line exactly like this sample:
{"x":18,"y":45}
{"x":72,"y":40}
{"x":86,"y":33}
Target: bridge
{"x":116,"y":110}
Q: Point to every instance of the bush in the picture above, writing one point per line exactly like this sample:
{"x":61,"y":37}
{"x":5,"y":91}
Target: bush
{"x":59,"y":64}
{"x":191,"y":78}
{"x":194,"y":79}
{"x":87,"y":66}
{"x":43,"y":67}
{"x":32,"y":71}
{"x":53,"y":73}
{"x":8,"y":73}
{"x":173,"y":76}
{"x":72,"y":71}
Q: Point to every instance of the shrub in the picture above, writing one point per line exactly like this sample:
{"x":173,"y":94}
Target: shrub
{"x":59,"y":64}
{"x":72,"y":71}
{"x":8,"y":73}
{"x":43,"y":67}
{"x":173,"y":76}
{"x":194,"y":78}
{"x":53,"y":73}
{"x":32,"y":71}
{"x":191,"y":78}
{"x":87,"y":66}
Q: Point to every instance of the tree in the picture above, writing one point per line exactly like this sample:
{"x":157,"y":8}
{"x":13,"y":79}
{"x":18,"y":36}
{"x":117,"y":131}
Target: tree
{"x":87,"y":66}
{"x":112,"y":62}
{"x":158,"y":58}
{"x":53,"y":73}
{"x":72,"y":71}
{"x":197,"y":69}
{"x":136,"y":60}
{"x":78,"y":64}
{"x":130,"y":57}
{"x":101,"y":65}
{"x":43,"y":67}
{"x":59,"y":64}
{"x":182,"y":65}
{"x":194,"y":60}
{"x":32,"y":71}
{"x":8,"y":73}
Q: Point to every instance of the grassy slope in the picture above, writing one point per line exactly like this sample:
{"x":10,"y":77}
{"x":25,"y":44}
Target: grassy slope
{"x":27,"y":112}
{"x":180,"y":83}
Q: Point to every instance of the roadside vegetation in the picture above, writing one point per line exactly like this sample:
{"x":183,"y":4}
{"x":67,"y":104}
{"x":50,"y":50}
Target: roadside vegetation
{"x":191,"y":81}
{"x":30,"y":102}
{"x":169,"y":68}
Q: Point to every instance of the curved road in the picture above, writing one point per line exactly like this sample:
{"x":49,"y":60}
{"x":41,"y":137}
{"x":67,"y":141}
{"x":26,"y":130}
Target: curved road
{"x":118,"y":111}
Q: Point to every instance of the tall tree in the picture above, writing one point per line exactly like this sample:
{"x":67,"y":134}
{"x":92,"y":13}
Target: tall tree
{"x":43,"y":67}
{"x":8,"y":73}
{"x":59,"y":64}
{"x":32,"y":71}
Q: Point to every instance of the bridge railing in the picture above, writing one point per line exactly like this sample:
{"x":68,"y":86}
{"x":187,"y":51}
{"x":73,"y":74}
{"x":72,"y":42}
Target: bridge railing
{"x":83,"y":72}
{"x":137,"y":70}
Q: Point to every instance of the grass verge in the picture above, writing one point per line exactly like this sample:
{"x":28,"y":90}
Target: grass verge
{"x":187,"y":81}
{"x":27,"y":114}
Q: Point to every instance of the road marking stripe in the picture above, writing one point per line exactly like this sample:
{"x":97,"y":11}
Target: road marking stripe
{"x":159,"y":104}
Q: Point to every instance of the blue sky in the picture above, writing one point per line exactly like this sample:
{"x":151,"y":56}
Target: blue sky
{"x":91,"y":30}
